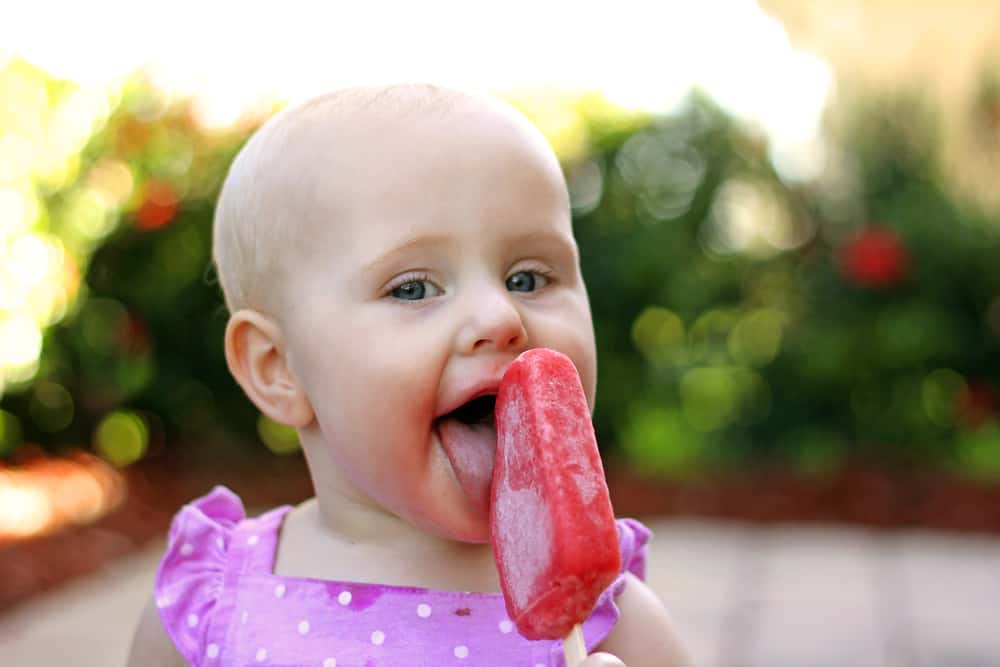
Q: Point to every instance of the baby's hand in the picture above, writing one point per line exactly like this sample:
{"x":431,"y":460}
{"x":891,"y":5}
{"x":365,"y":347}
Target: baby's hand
{"x":602,"y":660}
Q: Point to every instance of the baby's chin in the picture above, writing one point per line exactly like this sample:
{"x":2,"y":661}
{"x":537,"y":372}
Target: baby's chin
{"x":452,"y":517}
{"x":477,"y":535}
{"x":471,"y":526}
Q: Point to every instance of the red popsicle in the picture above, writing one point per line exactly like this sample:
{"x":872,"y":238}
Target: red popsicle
{"x":552,"y":526}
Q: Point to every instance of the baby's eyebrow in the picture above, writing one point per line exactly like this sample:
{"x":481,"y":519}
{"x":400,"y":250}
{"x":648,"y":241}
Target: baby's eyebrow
{"x":406,"y":248}
{"x":563,"y":245}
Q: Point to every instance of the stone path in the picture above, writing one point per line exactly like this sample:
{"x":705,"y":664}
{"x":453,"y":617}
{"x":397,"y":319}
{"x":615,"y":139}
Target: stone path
{"x":808,"y":596}
{"x":743,"y":596}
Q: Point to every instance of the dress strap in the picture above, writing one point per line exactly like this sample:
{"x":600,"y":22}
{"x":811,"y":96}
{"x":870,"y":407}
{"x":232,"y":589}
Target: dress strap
{"x":255,"y":543}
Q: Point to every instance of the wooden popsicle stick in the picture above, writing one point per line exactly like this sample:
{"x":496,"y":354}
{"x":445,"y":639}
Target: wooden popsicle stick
{"x":574,"y":647}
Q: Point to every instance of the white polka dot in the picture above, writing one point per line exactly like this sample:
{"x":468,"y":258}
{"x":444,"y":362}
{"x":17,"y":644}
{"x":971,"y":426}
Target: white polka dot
{"x":192,"y":620}
{"x":344,"y":598}
{"x":378,"y":638}
{"x":303,"y":627}
{"x":330,"y":662}
{"x":187,"y":549}
{"x":243,"y":618}
{"x":212,"y":651}
{"x":252,"y":540}
{"x":219,"y":543}
{"x":279,"y":591}
{"x":261,"y":654}
{"x":162,"y":602}
{"x":506,"y":626}
{"x":423,"y":610}
{"x":461,"y":651}
{"x":541,"y":664}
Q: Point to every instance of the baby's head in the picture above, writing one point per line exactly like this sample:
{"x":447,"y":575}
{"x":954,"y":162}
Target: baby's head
{"x":386,"y":253}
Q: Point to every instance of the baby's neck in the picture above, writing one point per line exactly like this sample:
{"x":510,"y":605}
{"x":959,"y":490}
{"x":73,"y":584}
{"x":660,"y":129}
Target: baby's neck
{"x":350,"y":541}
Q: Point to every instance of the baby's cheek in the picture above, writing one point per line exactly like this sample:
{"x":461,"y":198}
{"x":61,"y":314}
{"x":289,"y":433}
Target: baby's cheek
{"x":585,"y":359}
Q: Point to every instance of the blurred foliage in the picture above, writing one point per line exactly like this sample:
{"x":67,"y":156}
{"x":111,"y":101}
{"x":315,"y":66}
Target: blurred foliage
{"x":742,"y":319}
{"x":136,"y":361}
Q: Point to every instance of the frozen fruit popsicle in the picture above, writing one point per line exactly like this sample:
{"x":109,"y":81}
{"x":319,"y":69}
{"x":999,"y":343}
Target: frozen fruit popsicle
{"x":552,"y":526}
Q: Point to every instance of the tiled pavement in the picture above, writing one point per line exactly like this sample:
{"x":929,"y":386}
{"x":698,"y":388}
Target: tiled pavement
{"x":743,"y":596}
{"x":810,"y":596}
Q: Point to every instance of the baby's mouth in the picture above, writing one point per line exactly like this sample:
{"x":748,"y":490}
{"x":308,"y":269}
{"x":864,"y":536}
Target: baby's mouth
{"x":477,"y":411}
{"x":469,"y":437}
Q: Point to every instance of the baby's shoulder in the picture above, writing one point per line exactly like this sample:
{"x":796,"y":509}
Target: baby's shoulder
{"x":209,"y":533}
{"x":213,"y":548}
{"x":151,"y":645}
{"x":644,"y":633}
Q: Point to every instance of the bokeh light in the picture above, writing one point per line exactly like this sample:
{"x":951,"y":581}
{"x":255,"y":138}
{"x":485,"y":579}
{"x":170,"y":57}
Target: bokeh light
{"x":279,"y":438}
{"x":941,"y":390}
{"x":51,"y":407}
{"x":712,"y":397}
{"x":661,"y":442}
{"x":45,"y":495}
{"x":664,"y":170}
{"x":20,"y":342}
{"x":122,"y":438}
{"x":24,"y":510}
{"x":659,"y":334}
{"x":750,"y":217}
{"x":979,"y":452}
{"x":756,"y":338}
{"x":585,"y":181}
{"x":43,"y":130}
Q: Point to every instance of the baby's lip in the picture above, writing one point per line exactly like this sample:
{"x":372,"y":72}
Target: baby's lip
{"x":483,"y":387}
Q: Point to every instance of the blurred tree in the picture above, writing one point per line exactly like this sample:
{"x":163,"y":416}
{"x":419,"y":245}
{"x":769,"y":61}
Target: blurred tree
{"x":741,"y":320}
{"x":143,"y":339}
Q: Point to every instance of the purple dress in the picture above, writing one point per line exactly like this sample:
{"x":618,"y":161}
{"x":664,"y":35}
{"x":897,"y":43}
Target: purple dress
{"x":223,"y":606}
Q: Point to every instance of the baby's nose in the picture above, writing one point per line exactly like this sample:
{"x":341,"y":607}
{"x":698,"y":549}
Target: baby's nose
{"x":494,"y":323}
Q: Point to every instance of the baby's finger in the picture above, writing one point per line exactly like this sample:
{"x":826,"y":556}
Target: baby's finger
{"x":602,"y":660}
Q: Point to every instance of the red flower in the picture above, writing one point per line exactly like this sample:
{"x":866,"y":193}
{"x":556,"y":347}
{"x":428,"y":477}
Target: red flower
{"x":874,"y":257}
{"x":159,"y":204}
{"x":133,"y":336}
{"x":976,"y":405}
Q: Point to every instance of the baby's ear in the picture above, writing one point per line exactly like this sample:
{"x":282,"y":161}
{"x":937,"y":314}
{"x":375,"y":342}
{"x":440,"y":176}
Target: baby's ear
{"x":256,"y":357}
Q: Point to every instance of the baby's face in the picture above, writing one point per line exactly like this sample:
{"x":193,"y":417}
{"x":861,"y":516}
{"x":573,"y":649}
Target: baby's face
{"x":440,"y":249}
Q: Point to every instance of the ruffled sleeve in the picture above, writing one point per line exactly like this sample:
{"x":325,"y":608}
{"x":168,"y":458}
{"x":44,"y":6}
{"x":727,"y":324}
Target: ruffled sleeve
{"x":633,"y":538}
{"x":190,"y":577}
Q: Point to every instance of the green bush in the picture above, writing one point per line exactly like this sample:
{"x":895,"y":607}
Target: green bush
{"x":741,"y":320}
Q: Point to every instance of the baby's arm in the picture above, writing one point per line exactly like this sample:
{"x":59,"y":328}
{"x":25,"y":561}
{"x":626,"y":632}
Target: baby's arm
{"x":151,"y":647}
{"x":645,"y":635}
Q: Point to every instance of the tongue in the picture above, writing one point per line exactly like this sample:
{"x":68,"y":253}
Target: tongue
{"x":471,"y":448}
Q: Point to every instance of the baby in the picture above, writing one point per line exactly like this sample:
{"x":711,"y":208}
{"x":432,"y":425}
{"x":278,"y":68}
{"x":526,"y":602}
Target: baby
{"x":385,"y":254}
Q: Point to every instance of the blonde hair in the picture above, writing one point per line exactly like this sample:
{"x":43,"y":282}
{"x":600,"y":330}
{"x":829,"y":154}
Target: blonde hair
{"x":254,"y":219}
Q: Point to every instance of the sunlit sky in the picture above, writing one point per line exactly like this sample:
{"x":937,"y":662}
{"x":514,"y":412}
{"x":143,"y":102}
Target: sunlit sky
{"x":232,"y":56}
{"x":641,"y":54}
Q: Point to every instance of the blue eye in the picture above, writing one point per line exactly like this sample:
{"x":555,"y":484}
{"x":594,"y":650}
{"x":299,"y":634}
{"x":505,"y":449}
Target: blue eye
{"x":413,"y":287}
{"x":524,"y":281}
{"x":413,"y":290}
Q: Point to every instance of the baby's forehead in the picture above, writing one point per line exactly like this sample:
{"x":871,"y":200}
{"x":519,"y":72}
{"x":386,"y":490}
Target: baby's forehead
{"x":328,"y":159}
{"x":329,"y":134}
{"x":360,"y":134}
{"x":409,"y":106}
